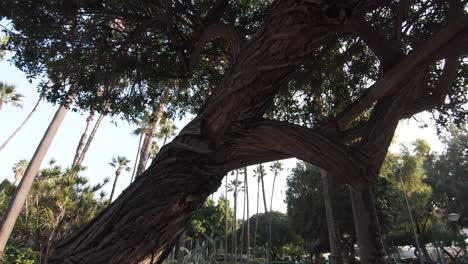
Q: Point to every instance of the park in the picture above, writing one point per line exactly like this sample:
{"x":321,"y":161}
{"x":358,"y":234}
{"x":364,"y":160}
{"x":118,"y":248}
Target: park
{"x":235,"y":132}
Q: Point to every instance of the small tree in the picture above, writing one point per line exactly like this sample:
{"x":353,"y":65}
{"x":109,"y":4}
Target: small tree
{"x":121,"y":164}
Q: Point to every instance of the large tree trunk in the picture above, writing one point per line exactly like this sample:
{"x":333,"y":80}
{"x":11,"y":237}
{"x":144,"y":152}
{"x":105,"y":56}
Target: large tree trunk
{"x":90,"y":139}
{"x":229,"y":133}
{"x":21,"y":126}
{"x":335,"y":247}
{"x":82,"y":141}
{"x":366,"y":224}
{"x":17,"y":201}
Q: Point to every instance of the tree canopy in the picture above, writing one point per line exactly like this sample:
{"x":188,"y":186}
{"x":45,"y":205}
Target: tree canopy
{"x":322,"y":81}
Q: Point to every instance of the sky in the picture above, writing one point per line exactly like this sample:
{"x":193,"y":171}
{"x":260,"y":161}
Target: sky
{"x":115,"y":138}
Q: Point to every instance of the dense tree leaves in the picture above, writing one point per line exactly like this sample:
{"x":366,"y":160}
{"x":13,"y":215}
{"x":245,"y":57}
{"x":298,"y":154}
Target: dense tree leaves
{"x":60,"y":203}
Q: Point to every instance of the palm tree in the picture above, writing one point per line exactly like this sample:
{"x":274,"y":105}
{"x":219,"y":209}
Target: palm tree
{"x":120,"y":163}
{"x":150,"y":123}
{"x":257,"y":172}
{"x":248,"y":216}
{"x":21,"y":126}
{"x":260,"y":171}
{"x":81,"y":154}
{"x":18,"y":200}
{"x":19,"y":168}
{"x":235,"y":186}
{"x":167,"y":129}
{"x":226,"y":219}
{"x":276,"y":168}
{"x":8,"y":95}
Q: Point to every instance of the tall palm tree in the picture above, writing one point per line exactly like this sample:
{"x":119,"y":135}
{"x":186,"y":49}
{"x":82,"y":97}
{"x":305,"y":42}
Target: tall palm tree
{"x":235,"y":186}
{"x":257,"y":172}
{"x":85,"y":149}
{"x":261,"y":174}
{"x":151,"y":122}
{"x":21,"y":126}
{"x":167,"y":129}
{"x":121,"y":164}
{"x":248,"y":215}
{"x":276,"y":168}
{"x":18,"y":200}
{"x":226,"y":219}
{"x":8,"y":95}
{"x":19,"y":168}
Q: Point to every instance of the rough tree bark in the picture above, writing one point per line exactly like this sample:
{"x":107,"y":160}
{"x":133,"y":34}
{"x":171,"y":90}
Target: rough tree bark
{"x":229,"y":133}
{"x":367,"y":227}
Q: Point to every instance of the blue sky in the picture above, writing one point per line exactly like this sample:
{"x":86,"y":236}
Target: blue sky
{"x":116,"y":139}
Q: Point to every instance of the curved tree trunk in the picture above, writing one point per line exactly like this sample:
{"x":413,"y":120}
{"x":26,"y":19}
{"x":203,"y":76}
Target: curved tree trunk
{"x":90,"y":139}
{"x":82,"y":141}
{"x":366,"y":224}
{"x":17,"y":201}
{"x":21,"y":126}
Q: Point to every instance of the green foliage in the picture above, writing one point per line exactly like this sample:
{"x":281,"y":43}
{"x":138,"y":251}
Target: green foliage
{"x":8,"y":95}
{"x":283,"y":239}
{"x":447,"y":174}
{"x":60,"y":202}
{"x":210,"y":220}
{"x":14,"y":255}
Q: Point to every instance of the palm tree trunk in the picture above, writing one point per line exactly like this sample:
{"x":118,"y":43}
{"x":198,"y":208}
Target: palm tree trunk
{"x":26,"y":183}
{"x":21,"y":126}
{"x":136,"y":158}
{"x":268,"y":253}
{"x":271,"y":213}
{"x":256,"y":220}
{"x":226,"y":221}
{"x":90,"y":139}
{"x":148,"y":139}
{"x":82,"y":141}
{"x":335,"y":252}
{"x":113,"y":187}
{"x":248,"y":216}
{"x":234,"y":233}
{"x":242,"y":230}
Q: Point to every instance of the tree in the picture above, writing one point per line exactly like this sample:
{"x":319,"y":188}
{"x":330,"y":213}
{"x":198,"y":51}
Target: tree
{"x":121,"y":164}
{"x":60,"y":202}
{"x":19,"y":198}
{"x":246,"y":195}
{"x":235,"y":186}
{"x":8,"y":95}
{"x":21,"y":126}
{"x":85,"y":142}
{"x":19,"y":169}
{"x":254,"y":84}
{"x":167,"y":129}
{"x":276,"y":168}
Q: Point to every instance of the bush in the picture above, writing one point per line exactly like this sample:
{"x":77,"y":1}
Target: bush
{"x":18,"y":255}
